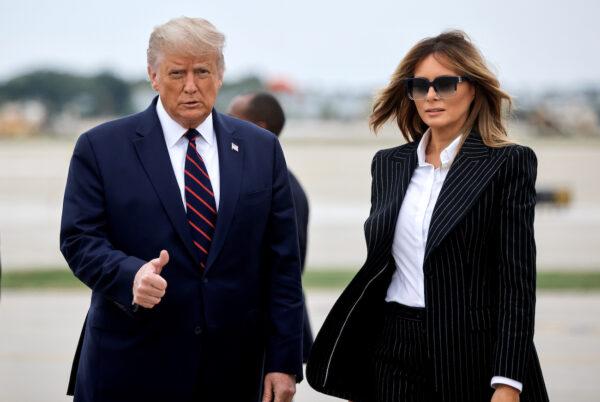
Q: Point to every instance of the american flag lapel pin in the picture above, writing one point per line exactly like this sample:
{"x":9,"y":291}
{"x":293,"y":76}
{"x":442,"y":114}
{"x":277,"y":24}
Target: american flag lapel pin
{"x":235,"y":147}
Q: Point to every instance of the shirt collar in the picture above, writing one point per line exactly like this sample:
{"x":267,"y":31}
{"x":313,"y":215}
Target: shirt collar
{"x":173,"y":131}
{"x":446,"y":156}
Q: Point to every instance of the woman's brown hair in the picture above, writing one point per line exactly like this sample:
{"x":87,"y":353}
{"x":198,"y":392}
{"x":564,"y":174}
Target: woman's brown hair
{"x":455,"y":50}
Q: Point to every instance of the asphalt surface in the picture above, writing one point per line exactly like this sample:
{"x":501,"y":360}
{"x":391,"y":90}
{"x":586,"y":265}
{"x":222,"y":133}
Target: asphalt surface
{"x":336,"y":176}
{"x":39,"y":332}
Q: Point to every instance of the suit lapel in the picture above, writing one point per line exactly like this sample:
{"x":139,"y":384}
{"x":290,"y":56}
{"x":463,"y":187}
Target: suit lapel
{"x":403,"y":163}
{"x":154,"y":156}
{"x":471,"y":171}
{"x":231,"y":158}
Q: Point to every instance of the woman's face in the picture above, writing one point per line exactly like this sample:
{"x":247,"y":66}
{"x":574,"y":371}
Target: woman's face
{"x":443,"y":115}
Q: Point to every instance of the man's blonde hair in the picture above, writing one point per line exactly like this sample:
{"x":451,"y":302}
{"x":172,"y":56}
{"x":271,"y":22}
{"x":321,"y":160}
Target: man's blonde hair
{"x":186,"y":36}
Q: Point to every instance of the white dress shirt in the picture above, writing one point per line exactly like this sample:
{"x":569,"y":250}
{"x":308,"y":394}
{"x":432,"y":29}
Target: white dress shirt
{"x":412,"y":228}
{"x":177,"y":144}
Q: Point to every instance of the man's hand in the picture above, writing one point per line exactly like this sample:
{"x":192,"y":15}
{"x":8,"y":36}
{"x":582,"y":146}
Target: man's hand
{"x":148,"y":286}
{"x":505,"y":393}
{"x":279,"y":387}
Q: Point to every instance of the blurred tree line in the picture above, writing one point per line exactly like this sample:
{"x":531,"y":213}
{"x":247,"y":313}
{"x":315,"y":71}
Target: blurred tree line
{"x":100,"y":94}
{"x":68,"y":98}
{"x":103,"y":94}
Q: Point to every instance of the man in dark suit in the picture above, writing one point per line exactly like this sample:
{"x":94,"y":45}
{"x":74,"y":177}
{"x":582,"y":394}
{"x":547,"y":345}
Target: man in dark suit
{"x":181,"y":221}
{"x":264,"y":110}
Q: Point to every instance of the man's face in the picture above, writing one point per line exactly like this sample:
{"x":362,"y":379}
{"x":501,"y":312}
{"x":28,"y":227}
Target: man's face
{"x":188,"y":86}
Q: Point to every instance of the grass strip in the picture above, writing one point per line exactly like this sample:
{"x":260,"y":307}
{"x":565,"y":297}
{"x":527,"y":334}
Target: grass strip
{"x":54,"y":278}
{"x":314,"y":278}
{"x":564,"y":280}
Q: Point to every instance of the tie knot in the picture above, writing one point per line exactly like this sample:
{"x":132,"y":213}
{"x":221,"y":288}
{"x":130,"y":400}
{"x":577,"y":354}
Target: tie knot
{"x":191,"y":134}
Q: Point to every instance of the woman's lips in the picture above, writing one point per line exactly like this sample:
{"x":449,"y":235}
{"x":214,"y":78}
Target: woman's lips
{"x":434,"y":111}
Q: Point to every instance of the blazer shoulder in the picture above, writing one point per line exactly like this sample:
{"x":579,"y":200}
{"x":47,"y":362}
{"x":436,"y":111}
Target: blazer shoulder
{"x":400,"y":149}
{"x":115,"y":128}
{"x":521,"y":150}
{"x":515,"y":151}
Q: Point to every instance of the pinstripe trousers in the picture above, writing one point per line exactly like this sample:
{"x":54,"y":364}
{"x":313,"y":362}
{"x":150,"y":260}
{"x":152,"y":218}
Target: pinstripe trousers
{"x":401,"y":370}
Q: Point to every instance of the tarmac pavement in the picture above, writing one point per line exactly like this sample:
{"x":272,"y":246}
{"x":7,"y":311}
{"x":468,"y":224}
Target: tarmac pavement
{"x":39,"y":332}
{"x":336,"y":177}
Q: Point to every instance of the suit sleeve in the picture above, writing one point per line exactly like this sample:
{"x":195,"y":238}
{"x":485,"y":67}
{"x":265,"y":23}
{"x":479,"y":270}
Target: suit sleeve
{"x":370,"y":234}
{"x":517,"y":273}
{"x":83,"y":235}
{"x":375,"y":173}
{"x":284,"y":342}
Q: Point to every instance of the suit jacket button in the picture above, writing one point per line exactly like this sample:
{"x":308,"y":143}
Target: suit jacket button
{"x":204,"y":280}
{"x":198,"y":330}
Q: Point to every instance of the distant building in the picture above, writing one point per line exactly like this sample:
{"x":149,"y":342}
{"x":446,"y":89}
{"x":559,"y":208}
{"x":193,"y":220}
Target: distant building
{"x":20,"y":119}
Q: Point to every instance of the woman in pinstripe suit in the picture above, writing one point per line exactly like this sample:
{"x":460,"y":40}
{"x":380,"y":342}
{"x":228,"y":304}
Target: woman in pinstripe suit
{"x":443,"y":308}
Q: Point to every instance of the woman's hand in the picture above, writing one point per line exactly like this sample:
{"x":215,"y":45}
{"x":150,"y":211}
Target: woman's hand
{"x":505,"y":393}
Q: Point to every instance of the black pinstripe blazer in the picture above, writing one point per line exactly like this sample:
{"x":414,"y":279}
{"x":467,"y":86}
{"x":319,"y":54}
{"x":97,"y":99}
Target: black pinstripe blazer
{"x":479,"y":278}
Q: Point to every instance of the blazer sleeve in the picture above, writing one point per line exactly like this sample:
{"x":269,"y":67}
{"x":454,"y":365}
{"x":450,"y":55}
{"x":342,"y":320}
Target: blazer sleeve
{"x":84,"y":240}
{"x":375,"y":170}
{"x":517,"y":272}
{"x":284,"y":339}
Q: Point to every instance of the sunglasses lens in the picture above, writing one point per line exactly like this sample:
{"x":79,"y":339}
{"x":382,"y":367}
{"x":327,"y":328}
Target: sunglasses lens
{"x":445,"y":86}
{"x":418,"y":88}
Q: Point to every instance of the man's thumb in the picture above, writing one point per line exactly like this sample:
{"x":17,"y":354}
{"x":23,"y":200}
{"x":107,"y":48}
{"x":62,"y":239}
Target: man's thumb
{"x":160,"y":262}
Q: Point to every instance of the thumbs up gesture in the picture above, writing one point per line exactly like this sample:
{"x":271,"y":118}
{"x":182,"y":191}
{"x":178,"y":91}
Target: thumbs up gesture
{"x":148,"y":286}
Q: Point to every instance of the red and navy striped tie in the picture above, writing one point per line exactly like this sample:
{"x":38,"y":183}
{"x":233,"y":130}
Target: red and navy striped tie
{"x":199,"y":199}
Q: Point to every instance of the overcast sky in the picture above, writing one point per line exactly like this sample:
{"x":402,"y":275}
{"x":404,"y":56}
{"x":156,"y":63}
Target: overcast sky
{"x":317,"y":43}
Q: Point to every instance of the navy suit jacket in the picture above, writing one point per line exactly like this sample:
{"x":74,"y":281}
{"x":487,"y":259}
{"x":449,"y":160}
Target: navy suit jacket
{"x":232,"y":323}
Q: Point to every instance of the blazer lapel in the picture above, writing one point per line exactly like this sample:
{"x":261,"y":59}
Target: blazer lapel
{"x":231,"y":158}
{"x":400,"y":170}
{"x":469,"y":174}
{"x":154,"y":156}
{"x":404,"y":162}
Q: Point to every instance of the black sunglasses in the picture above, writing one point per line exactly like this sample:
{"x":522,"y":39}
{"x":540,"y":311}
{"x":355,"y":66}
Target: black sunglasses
{"x":444,"y":86}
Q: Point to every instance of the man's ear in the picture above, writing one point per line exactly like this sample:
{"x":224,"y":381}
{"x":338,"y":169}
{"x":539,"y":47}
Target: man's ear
{"x":153,"y":76}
